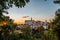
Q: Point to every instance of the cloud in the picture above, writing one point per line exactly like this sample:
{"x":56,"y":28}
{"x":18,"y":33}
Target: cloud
{"x":25,"y":16}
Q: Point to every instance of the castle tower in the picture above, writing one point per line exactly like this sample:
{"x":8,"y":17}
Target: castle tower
{"x":31,"y":18}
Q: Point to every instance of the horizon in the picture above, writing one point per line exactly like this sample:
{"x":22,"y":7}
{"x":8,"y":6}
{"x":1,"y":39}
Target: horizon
{"x":23,"y":22}
{"x":37,"y":9}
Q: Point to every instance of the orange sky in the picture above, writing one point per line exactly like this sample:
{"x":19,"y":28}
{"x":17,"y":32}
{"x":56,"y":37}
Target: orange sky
{"x":19,"y":22}
{"x":22,"y":21}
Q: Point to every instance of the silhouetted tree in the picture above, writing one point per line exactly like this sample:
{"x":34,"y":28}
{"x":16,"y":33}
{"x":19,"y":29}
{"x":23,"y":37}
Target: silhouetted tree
{"x":38,"y":33}
{"x":9,"y":27}
{"x":57,"y":23}
{"x":26,"y":33}
{"x":6,"y":4}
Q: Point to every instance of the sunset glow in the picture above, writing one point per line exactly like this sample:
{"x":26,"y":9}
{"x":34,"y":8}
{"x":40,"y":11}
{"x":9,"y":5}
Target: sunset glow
{"x":38,"y":10}
{"x":3,"y":23}
{"x":19,"y":22}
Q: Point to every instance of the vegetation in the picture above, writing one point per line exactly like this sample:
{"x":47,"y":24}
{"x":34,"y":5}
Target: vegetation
{"x":8,"y":27}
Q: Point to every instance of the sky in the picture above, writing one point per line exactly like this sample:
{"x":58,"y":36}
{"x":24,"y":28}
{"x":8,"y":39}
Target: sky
{"x":37,"y":9}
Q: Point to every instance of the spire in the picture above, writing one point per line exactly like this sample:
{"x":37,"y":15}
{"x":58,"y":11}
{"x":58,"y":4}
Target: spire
{"x":31,"y":18}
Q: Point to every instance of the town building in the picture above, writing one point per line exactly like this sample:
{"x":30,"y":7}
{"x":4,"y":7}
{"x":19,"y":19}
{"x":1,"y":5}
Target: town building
{"x":35,"y":24}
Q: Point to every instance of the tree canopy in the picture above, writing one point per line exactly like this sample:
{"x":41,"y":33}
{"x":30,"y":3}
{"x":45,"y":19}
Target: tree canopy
{"x":6,"y":4}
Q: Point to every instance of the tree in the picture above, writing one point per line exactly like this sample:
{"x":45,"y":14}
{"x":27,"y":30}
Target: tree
{"x":8,"y":29}
{"x":26,"y":32}
{"x":38,"y":33}
{"x":6,"y":4}
{"x":57,"y":1}
{"x":57,"y":23}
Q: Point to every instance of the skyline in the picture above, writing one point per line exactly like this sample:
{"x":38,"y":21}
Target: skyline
{"x":37,"y":9}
